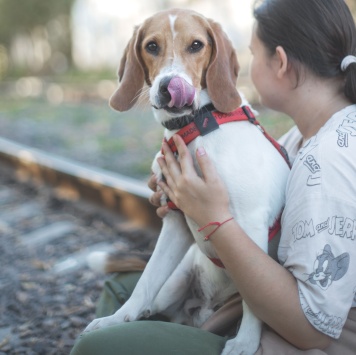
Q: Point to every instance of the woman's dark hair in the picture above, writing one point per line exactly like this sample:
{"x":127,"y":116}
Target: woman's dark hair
{"x":316,"y":33}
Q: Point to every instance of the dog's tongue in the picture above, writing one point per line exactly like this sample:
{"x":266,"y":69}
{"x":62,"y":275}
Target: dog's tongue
{"x":181,"y":93}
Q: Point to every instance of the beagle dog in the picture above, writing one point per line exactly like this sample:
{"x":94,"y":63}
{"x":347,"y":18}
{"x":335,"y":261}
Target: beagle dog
{"x":188,"y":67}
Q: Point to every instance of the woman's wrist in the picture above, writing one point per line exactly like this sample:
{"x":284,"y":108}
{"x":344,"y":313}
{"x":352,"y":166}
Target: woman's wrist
{"x":216,"y":225}
{"x":211,"y":223}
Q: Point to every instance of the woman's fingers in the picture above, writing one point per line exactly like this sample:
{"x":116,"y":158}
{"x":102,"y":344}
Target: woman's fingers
{"x":162,"y":211}
{"x":185,"y":158}
{"x":187,"y":165}
{"x":155,"y":198}
{"x":152,"y":182}
{"x":170,"y":174}
{"x":207,"y":168}
{"x":169,"y":164}
{"x":169,"y":183}
{"x":196,"y":196}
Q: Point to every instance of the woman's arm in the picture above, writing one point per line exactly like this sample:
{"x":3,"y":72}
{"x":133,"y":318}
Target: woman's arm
{"x":267,"y":287}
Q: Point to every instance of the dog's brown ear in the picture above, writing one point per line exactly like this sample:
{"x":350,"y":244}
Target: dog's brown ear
{"x":131,"y":76}
{"x":222,"y":72}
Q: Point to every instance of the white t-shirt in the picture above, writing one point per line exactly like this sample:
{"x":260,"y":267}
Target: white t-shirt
{"x":318,"y":241}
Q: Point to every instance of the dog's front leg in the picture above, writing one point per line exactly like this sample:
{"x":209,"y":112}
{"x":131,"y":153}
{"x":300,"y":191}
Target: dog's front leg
{"x":248,"y":338}
{"x":173,"y":242}
{"x":175,"y":289}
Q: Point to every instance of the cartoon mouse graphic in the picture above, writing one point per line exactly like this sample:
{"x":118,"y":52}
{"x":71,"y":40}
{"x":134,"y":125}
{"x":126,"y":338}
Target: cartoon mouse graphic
{"x":328,"y":268}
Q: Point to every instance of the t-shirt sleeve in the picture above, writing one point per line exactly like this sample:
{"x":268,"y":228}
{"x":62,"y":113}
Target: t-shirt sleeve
{"x":318,"y":243}
{"x":322,"y":258}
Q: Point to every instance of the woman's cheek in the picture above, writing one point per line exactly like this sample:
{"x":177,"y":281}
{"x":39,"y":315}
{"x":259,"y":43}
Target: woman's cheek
{"x":255,"y":75}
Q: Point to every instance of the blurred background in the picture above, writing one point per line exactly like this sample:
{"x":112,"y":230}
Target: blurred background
{"x":58,"y":63}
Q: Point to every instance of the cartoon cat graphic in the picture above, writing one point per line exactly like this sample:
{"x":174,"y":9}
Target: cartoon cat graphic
{"x":328,"y":268}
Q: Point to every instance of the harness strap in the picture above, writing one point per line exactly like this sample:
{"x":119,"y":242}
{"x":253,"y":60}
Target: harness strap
{"x":209,"y":120}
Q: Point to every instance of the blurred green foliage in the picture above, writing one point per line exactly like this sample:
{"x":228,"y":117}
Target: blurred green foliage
{"x":19,"y":16}
{"x":94,"y":134}
{"x":89,"y":132}
{"x":35,"y":37}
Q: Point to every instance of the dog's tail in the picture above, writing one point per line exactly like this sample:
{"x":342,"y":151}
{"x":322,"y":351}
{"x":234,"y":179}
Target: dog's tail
{"x":105,"y":262}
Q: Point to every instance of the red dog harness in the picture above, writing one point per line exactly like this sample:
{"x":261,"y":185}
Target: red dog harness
{"x":210,"y":120}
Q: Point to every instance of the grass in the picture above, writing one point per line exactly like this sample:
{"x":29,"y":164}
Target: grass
{"x":275,"y":123}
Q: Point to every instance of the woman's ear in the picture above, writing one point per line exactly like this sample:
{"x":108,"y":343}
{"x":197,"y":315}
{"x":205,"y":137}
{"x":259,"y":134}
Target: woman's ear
{"x":282,"y":58}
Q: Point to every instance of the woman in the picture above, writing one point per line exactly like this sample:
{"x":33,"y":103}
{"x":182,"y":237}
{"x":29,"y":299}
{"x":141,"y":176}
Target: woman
{"x":304,"y":65}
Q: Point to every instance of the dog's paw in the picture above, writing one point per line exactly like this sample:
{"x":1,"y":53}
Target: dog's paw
{"x":101,"y":323}
{"x":240,"y":347}
{"x":124,"y":314}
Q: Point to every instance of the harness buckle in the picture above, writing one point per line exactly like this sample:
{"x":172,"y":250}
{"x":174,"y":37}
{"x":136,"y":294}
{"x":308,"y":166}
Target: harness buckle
{"x":205,"y":122}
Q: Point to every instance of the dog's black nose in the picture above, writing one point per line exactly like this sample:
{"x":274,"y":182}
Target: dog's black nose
{"x":164,"y":95}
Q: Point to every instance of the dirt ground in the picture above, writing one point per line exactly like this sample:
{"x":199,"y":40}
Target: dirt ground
{"x":44,"y":308}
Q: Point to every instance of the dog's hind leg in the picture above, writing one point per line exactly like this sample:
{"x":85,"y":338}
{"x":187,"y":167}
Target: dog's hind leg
{"x":172,"y":244}
{"x":174,"y":292}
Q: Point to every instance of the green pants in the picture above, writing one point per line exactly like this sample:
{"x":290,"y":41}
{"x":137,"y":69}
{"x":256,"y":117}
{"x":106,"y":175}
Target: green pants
{"x":141,"y":337}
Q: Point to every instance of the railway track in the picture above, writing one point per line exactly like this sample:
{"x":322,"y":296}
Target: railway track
{"x":53,"y":213}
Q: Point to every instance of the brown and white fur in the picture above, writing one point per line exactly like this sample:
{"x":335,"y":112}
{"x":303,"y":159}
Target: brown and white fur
{"x":179,"y":279}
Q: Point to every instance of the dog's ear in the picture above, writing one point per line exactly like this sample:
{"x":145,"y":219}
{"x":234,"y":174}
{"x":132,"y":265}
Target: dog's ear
{"x":131,"y":76}
{"x":222,"y":72}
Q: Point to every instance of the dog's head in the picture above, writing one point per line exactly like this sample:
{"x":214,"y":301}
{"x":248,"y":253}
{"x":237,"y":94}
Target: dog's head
{"x":186,"y":60}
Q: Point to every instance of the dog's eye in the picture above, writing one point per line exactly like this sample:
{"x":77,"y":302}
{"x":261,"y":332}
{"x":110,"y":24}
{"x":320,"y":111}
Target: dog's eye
{"x":152,"y":47}
{"x":196,"y":46}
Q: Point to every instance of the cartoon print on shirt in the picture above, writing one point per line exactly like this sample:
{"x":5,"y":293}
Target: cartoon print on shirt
{"x":343,"y":138}
{"x":323,"y":226}
{"x":327,"y":323}
{"x":328,"y":268}
{"x":352,"y":115}
{"x":346,"y":129}
{"x":308,"y":147}
{"x":343,"y":227}
{"x":303,"y":229}
{"x":311,"y":163}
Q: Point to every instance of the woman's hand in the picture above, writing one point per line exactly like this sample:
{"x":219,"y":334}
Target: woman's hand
{"x":204,"y":199}
{"x":155,"y":198}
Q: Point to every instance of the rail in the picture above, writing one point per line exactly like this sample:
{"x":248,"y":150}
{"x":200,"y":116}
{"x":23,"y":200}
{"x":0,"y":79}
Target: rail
{"x":75,"y":180}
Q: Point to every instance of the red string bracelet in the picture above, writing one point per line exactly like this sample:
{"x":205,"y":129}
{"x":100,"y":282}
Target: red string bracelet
{"x":217,"y":224}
